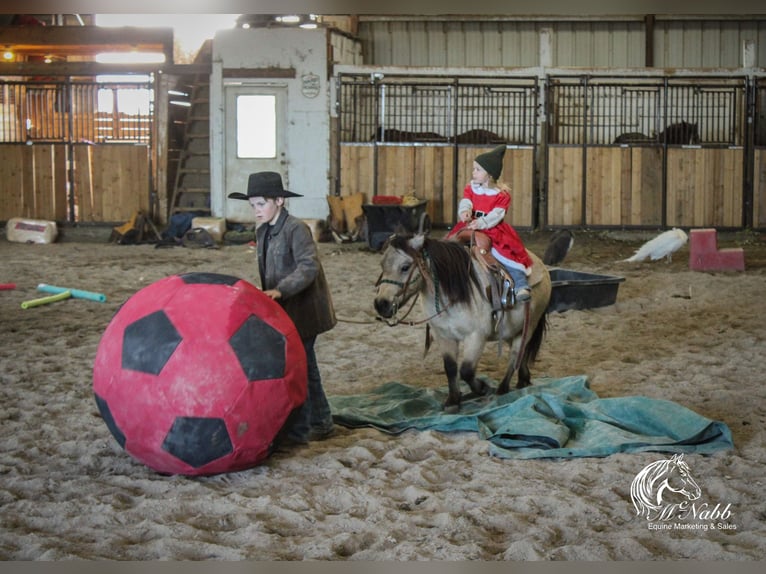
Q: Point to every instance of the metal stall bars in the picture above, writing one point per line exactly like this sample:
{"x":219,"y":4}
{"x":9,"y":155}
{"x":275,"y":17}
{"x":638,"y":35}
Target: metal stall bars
{"x":402,"y":134}
{"x":704,"y":132}
{"x":66,"y":174}
{"x":394,"y":137}
{"x":645,"y":151}
{"x":758,"y":168}
{"x":492,"y":111}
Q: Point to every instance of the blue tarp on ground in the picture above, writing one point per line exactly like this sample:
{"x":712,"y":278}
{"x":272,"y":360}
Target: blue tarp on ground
{"x":554,"y":418}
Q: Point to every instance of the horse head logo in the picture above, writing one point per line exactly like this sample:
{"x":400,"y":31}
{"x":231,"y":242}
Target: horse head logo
{"x":658,"y":480}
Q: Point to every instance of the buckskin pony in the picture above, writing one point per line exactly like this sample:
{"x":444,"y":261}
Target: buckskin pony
{"x":454,"y":289}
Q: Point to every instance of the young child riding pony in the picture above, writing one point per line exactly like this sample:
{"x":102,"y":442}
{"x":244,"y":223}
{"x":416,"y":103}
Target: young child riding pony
{"x":483,"y":207}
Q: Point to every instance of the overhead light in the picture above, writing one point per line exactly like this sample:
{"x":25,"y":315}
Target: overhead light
{"x":130,"y":58}
{"x":48,"y":59}
{"x":292,"y":19}
{"x":7,"y":55}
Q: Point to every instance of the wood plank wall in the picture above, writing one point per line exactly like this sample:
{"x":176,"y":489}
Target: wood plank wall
{"x":33,"y":182}
{"x":428,"y":172}
{"x":759,"y":190}
{"x":624,"y":187}
{"x":704,"y":187}
{"x":111,"y":182}
{"x":564,"y":200}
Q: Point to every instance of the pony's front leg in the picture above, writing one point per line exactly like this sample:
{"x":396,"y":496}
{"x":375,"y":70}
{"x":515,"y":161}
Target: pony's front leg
{"x":452,"y":404}
{"x":472,"y":349}
{"x":449,"y":357}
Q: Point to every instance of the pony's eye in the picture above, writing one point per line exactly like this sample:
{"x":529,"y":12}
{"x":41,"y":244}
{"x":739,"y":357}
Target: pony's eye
{"x":406,"y":268}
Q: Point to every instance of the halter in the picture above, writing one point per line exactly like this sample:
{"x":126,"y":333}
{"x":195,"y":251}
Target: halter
{"x":404,"y":288}
{"x":402,"y":293}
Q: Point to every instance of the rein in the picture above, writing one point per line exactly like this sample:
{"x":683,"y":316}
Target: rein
{"x":424,"y":271}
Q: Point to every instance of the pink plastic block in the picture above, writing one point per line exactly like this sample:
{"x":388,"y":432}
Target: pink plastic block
{"x":703,"y":241}
{"x":704,"y":254}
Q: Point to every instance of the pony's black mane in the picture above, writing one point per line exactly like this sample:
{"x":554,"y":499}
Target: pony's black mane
{"x":450,"y":263}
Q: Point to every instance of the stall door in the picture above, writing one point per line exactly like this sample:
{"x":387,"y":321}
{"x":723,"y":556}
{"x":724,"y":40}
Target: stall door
{"x":254,"y":140}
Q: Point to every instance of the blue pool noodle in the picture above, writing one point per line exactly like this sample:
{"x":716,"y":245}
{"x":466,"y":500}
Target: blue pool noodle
{"x":76,"y":293}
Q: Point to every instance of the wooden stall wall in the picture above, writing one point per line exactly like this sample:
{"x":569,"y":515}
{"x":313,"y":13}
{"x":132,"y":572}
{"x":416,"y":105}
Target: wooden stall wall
{"x":759,"y":190}
{"x":429,"y":172}
{"x":357,"y":170}
{"x":33,"y":182}
{"x":426,"y":171}
{"x":565,"y":186}
{"x":704,"y":187}
{"x":624,"y":186}
{"x":110,"y":181}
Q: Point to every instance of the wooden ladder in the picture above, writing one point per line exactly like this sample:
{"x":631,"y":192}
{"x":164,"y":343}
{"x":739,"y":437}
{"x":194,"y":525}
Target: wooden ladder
{"x":191,"y":190}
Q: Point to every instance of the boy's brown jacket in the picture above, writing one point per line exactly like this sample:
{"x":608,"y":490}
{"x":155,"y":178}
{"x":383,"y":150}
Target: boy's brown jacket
{"x":292,"y":267}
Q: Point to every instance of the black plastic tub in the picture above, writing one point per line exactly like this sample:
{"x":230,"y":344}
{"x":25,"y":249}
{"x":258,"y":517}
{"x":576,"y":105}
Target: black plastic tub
{"x":578,"y":290}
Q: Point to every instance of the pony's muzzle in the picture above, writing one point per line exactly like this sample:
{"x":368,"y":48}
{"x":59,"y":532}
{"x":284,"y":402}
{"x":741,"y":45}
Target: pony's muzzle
{"x":384,"y":307}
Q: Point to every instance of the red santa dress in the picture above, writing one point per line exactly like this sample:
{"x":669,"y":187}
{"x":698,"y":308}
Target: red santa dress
{"x":507,"y":246}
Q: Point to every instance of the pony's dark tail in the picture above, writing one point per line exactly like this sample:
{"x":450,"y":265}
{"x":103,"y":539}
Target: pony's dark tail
{"x":536,"y":340}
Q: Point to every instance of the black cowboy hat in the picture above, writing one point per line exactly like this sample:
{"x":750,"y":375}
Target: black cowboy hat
{"x":264,"y":184}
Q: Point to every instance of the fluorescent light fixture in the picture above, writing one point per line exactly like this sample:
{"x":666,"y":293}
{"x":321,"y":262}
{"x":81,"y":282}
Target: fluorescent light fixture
{"x":130,"y":58}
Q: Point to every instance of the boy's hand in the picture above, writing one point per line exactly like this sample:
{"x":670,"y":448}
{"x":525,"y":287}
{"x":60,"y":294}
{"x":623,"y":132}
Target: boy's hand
{"x":273,"y":293}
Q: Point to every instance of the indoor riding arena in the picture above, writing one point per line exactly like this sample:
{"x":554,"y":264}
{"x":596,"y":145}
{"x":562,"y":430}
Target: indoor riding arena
{"x":642,"y":434}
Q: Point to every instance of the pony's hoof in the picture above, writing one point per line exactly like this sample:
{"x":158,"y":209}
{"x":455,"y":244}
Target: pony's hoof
{"x":451,"y":409}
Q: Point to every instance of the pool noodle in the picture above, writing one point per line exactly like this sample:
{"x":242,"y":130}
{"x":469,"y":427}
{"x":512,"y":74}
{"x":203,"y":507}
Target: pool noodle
{"x":76,"y":293}
{"x":7,"y":286}
{"x":45,"y":300}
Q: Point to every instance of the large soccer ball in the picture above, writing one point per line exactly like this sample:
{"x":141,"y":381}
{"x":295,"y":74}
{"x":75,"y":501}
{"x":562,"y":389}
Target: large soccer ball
{"x":197,"y":373}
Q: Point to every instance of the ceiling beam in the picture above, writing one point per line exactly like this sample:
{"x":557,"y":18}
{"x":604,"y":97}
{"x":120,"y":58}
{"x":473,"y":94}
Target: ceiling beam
{"x":86,"y":40}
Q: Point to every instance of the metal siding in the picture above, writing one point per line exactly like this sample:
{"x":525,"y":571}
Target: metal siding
{"x":419,"y":53}
{"x":711,"y":52}
{"x":382,"y":45}
{"x":583,"y":44}
{"x":400,"y":42}
{"x":492,"y":45}
{"x":437,"y":44}
{"x":692,"y":42}
{"x":761,"y":50}
{"x":603,"y":45}
{"x":527,"y":45}
{"x":563,"y":49}
{"x":455,"y":44}
{"x":616,"y":44}
{"x":635,"y":56}
{"x":474,"y":44}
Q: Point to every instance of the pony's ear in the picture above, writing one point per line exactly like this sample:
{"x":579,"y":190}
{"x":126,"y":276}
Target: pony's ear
{"x":417,"y":241}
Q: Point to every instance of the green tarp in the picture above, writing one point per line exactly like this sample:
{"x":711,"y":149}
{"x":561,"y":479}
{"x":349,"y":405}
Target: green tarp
{"x":554,"y":418}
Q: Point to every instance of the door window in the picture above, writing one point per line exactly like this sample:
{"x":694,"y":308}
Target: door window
{"x":256,"y":126}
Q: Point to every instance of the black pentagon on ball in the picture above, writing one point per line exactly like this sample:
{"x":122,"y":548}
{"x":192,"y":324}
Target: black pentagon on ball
{"x":148,"y":343}
{"x":208,"y":278}
{"x":198,"y":440}
{"x":260,"y":349}
{"x":106,"y":414}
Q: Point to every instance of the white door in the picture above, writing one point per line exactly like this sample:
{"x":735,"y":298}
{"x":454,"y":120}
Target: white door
{"x":254,"y":141}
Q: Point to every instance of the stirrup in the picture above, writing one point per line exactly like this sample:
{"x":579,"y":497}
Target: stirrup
{"x":507,"y":296}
